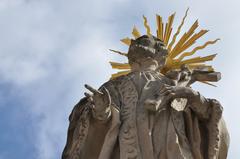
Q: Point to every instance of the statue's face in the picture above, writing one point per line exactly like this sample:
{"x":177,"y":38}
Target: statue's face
{"x":147,"y":48}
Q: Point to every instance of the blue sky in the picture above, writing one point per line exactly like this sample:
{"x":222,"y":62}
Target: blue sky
{"x":50,"y":48}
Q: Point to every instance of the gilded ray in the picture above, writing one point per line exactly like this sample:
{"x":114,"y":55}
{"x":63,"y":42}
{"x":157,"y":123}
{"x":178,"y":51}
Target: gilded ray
{"x":136,"y":33}
{"x":118,"y":74}
{"x":168,"y":29}
{"x":147,"y":26}
{"x":168,"y":36}
{"x":195,"y":60}
{"x":116,"y":65}
{"x":176,"y":49}
{"x":193,"y":65}
{"x":196,"y":49}
{"x":126,"y":41}
{"x":178,"y":31}
{"x":159,"y":27}
{"x":118,"y":52}
{"x":183,"y":39}
{"x":201,"y":66}
{"x":192,"y":40}
{"x":197,"y":65}
{"x":165,"y":32}
{"x":198,"y":59}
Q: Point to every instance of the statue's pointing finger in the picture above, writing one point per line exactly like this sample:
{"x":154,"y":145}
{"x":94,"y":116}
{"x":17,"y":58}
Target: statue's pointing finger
{"x":94,"y":91}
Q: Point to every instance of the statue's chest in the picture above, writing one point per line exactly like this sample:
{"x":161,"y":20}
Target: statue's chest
{"x":148,"y":84}
{"x":136,"y":89}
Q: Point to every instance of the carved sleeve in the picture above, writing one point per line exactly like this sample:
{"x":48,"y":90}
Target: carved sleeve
{"x":104,"y":113}
{"x":200,"y":105}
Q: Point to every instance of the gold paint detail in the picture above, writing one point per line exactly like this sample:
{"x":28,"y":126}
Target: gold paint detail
{"x":118,"y":74}
{"x":176,"y":64}
{"x":198,"y":59}
{"x":126,"y":41}
{"x":183,"y":39}
{"x":192,"y":40}
{"x":178,"y":31}
{"x":135,"y":32}
{"x":201,"y":66}
{"x":196,"y":49}
{"x":159,"y":27}
{"x":177,"y":46}
{"x":168,"y":29}
{"x":146,"y":25}
{"x":116,"y":65}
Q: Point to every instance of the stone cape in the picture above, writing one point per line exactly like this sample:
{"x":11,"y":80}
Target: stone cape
{"x":193,"y":133}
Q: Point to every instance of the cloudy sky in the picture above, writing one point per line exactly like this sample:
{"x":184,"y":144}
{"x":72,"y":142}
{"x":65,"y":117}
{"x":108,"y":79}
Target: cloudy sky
{"x":50,"y":48}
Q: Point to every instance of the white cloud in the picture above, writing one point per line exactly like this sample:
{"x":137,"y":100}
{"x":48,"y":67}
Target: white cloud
{"x":6,"y":3}
{"x":48,"y":53}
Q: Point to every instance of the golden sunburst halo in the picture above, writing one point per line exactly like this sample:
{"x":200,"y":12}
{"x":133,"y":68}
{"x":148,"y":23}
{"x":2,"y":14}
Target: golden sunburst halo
{"x":178,"y":50}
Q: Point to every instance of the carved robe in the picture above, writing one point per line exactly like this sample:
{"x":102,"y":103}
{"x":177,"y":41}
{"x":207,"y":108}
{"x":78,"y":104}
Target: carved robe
{"x":132,"y":132}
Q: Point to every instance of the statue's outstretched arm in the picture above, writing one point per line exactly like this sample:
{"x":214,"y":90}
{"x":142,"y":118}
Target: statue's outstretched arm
{"x":100,"y":102}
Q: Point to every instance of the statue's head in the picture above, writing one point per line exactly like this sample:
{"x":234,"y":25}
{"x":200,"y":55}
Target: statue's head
{"x":147,"y":50}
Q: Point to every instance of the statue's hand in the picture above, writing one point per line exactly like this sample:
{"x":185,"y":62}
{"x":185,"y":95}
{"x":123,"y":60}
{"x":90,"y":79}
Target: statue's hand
{"x":172,"y":92}
{"x":99,"y":100}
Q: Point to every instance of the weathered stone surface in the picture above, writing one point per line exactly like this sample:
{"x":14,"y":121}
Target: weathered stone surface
{"x":147,"y":115}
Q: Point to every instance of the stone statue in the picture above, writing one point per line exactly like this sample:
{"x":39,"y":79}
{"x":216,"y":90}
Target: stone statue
{"x":148,"y":115}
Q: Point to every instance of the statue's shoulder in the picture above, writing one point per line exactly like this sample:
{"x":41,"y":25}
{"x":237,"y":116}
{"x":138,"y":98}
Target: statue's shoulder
{"x":78,"y":109}
{"x":118,"y":80}
{"x":134,"y":76}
